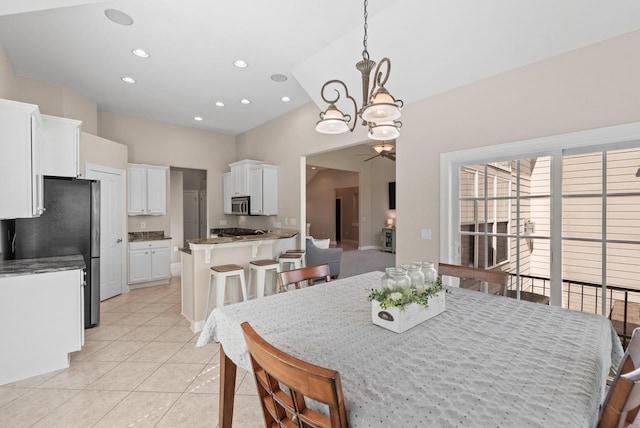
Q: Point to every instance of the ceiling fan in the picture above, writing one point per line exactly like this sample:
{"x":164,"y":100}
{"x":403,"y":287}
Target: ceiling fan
{"x":384,"y":150}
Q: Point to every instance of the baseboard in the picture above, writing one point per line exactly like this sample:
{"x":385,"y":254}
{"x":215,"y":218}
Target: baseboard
{"x":176,"y":269}
{"x":370,"y":247}
{"x":197,"y":326}
{"x":139,"y":285}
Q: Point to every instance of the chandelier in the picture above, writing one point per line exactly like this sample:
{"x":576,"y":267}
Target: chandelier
{"x":379,"y":109}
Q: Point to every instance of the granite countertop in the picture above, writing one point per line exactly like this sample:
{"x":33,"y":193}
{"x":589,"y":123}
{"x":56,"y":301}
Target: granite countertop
{"x":270,"y":234}
{"x":155,"y":235}
{"x":18,"y":267}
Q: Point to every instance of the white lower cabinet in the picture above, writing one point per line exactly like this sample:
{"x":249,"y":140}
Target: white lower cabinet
{"x":160,"y":263}
{"x":45,"y":313}
{"x":149,"y":261}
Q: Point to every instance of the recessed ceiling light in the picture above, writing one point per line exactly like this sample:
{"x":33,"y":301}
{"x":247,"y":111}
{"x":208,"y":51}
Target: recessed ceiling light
{"x":245,"y":101}
{"x":285,"y":99}
{"x":240,"y":63}
{"x":128,"y":79}
{"x":219,"y":104}
{"x":118,"y":16}
{"x":279,"y":78}
{"x":198,"y":118}
{"x":313,"y":167}
{"x":140,"y":53}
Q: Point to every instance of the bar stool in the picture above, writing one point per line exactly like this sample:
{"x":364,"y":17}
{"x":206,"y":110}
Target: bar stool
{"x":218,"y":276}
{"x":288,"y":259}
{"x":299,"y":251}
{"x":261,"y":267}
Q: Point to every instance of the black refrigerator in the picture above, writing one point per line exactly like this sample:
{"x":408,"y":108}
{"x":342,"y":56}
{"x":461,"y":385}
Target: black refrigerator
{"x":70,"y":225}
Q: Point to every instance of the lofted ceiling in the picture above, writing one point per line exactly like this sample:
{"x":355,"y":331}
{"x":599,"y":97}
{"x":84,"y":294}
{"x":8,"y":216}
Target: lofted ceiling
{"x":433,"y":45}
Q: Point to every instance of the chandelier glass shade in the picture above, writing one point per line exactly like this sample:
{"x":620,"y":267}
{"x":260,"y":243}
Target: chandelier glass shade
{"x":333,"y":121}
{"x":379,"y":111}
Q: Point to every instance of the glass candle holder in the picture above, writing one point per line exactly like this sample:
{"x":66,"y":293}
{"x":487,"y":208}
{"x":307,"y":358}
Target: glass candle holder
{"x":395,"y":277}
{"x":414,"y":271}
{"x":429,"y":271}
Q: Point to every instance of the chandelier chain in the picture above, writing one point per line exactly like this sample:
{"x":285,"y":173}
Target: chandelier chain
{"x":365,"y":52}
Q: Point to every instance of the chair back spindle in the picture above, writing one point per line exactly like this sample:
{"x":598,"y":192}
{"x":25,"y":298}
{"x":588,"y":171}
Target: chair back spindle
{"x":286,"y":407}
{"x":309,"y":273}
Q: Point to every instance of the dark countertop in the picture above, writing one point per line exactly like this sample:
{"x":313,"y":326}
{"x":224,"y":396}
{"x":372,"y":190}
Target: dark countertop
{"x":271,"y":234}
{"x":19,"y":267}
{"x":154,"y":235}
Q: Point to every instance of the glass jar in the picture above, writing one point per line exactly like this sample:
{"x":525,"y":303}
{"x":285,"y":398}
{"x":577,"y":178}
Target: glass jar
{"x":414,"y":271}
{"x":429,"y":271}
{"x":395,"y":277}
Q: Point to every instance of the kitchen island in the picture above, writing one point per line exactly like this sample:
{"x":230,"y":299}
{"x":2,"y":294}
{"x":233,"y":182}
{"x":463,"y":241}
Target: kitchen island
{"x":42,"y":314}
{"x":234,"y":246}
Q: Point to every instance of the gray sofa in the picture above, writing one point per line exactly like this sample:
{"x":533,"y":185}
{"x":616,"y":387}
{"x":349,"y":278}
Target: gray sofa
{"x":319,"y":256}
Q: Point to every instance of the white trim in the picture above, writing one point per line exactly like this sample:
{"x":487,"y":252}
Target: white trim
{"x":303,"y":201}
{"x":108,"y":170}
{"x":371,"y":247}
{"x":555,"y":273}
{"x":176,"y":269}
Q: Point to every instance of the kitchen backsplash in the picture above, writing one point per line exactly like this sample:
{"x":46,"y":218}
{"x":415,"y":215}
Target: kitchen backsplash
{"x":146,"y":236}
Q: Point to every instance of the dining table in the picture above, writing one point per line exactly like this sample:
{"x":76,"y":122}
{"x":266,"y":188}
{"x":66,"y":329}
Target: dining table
{"x":486,"y":361}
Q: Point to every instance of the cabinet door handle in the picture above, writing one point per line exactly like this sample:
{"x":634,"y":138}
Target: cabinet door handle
{"x":146,"y":252}
{"x":119,"y":240}
{"x":153,"y":252}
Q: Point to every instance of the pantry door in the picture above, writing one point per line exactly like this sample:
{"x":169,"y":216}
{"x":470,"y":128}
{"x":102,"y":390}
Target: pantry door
{"x":112,"y":231}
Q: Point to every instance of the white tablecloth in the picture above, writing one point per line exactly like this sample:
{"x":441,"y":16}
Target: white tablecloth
{"x":487,"y":361}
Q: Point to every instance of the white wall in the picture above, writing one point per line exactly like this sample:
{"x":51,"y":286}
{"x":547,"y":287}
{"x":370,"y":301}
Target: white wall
{"x":591,"y":87}
{"x":321,"y":195}
{"x":159,"y":143}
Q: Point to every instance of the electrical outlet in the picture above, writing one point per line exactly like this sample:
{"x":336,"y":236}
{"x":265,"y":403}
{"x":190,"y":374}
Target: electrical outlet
{"x":293,"y":222}
{"x":223,"y":222}
{"x":278,"y":225}
{"x":286,"y":221}
{"x":175,"y":249}
{"x":143,"y":225}
{"x":425,"y":234}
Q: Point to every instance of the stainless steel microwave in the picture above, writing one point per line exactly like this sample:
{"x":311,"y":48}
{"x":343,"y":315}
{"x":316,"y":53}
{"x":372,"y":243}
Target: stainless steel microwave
{"x":240,"y":205}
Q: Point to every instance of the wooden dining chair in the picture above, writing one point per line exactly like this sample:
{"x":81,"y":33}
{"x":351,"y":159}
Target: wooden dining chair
{"x":472,"y":278}
{"x":616,"y":395}
{"x":274,"y":368}
{"x":309,"y":273}
{"x":624,"y":401}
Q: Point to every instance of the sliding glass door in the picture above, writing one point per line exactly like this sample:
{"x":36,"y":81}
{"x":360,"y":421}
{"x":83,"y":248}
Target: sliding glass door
{"x":572,"y":212}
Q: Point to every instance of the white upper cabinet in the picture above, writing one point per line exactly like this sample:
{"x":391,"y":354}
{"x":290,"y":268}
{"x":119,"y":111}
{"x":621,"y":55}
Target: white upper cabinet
{"x":240,"y":176}
{"x":147,"y":189}
{"x":156,"y":190}
{"x":227,"y":190}
{"x":60,"y":146}
{"x":20,"y":160}
{"x":264,"y":190}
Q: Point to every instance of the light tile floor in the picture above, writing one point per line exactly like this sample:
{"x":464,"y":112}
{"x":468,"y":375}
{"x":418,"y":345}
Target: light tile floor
{"x":138,"y":368}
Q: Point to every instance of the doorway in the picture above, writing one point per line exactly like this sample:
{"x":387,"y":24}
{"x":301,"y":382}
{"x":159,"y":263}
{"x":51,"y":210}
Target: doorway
{"x":112,"y":231}
{"x":189,"y":205}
